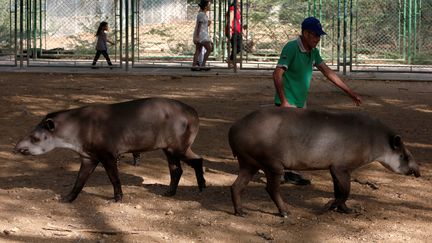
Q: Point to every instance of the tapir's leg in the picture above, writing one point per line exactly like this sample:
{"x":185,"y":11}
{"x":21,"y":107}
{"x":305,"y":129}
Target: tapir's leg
{"x":86,"y":169}
{"x":273,"y":189}
{"x":246,"y":173}
{"x":341,"y":183}
{"x":136,"y":158}
{"x":175,"y":173}
{"x":111,"y":169}
{"x":196,"y":162}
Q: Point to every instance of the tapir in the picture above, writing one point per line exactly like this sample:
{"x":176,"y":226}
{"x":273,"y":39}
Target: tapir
{"x":278,"y":139}
{"x":100,"y":133}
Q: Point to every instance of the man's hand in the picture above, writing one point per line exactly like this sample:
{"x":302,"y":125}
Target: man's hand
{"x":356,"y":99}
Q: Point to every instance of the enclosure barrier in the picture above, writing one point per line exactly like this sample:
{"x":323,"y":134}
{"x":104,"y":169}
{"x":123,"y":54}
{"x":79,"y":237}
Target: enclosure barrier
{"x":362,"y":35}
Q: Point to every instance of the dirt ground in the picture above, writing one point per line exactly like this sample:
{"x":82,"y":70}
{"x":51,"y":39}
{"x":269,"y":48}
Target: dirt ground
{"x":400,"y":210}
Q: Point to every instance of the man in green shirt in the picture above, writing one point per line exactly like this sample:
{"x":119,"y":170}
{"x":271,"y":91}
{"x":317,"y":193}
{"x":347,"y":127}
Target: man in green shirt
{"x":293,"y":74}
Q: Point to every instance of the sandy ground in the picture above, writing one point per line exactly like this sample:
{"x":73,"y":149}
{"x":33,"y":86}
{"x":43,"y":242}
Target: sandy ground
{"x":399,"y":210}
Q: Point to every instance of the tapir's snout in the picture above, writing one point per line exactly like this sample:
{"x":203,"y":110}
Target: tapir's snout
{"x":21,"y":150}
{"x":415,"y":172}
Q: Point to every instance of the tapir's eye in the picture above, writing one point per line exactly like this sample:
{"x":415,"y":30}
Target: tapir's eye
{"x":34,"y":139}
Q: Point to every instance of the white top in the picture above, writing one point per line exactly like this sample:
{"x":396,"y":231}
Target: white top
{"x":202,"y":23}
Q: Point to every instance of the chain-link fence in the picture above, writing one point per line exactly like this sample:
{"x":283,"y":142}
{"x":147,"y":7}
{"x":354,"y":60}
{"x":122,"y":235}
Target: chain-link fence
{"x":390,"y":34}
{"x":164,"y":30}
{"x":7,"y":33}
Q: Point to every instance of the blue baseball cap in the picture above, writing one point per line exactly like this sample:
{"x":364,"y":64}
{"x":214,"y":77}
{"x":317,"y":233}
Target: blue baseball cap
{"x":314,"y":25}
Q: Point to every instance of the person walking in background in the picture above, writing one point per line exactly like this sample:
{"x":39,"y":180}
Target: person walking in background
{"x":293,"y":74}
{"x":101,"y":44}
{"x":233,"y":31}
{"x":201,"y":37}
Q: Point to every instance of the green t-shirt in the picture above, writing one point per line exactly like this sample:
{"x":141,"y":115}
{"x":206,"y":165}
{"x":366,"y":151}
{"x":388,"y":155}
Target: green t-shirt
{"x":298,"y":64}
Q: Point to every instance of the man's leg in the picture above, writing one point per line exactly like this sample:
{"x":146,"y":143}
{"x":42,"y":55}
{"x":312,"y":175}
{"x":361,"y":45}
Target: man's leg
{"x":294,"y":177}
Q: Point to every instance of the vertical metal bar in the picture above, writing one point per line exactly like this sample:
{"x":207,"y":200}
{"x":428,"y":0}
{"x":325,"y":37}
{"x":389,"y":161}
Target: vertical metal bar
{"x":320,"y":18}
{"x":332,"y":32}
{"x":121,"y":33}
{"x":357,"y":29}
{"x":404,"y":29}
{"x":314,"y":8}
{"x":40,"y":26}
{"x":34,"y":29}
{"x":127,"y":34}
{"x":399,"y":25}
{"x":21,"y":34}
{"x":45,"y":23}
{"x":16,"y":33}
{"x":133,"y":31}
{"x":350,"y":35}
{"x":338,"y":35}
{"x":218,"y":48}
{"x":9,"y":43}
{"x":409,"y":31}
{"x":241,"y":36}
{"x":419,"y":24}
{"x":138,"y":29}
{"x":28,"y":30}
{"x":344,"y":36}
{"x":247,"y":30}
{"x":415,"y":29}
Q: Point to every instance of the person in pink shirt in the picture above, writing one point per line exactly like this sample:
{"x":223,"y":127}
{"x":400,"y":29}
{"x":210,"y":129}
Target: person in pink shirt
{"x":233,"y":30}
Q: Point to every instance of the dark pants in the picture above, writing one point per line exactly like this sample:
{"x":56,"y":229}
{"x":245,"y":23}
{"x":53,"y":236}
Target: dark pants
{"x":237,"y":39}
{"x":105,"y":54}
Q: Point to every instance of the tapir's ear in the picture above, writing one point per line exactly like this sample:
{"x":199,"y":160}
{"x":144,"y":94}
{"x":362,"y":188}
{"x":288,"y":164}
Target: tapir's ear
{"x":396,"y":142}
{"x":49,"y":124}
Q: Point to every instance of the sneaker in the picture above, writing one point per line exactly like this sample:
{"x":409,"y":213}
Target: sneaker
{"x":195,"y":68}
{"x":296,"y":179}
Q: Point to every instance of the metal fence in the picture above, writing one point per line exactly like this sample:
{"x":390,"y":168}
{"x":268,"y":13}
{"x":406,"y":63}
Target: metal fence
{"x":363,"y":35}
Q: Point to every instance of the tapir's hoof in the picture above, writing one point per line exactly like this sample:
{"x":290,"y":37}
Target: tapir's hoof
{"x":118,"y":197}
{"x":338,"y":207}
{"x":201,"y":186}
{"x":284,"y":214}
{"x":240,"y":213}
{"x":68,"y":198}
{"x":169,"y":193}
{"x":344,"y":209}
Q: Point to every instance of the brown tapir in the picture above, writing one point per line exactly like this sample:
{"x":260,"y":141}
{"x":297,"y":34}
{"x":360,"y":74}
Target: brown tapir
{"x":100,"y":133}
{"x":277,"y":139}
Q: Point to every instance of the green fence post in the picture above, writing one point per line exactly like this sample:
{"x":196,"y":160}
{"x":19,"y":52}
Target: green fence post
{"x":404,"y":29}
{"x":338,"y":35}
{"x":409,"y":31}
{"x":344,"y":36}
{"x":415,"y":29}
